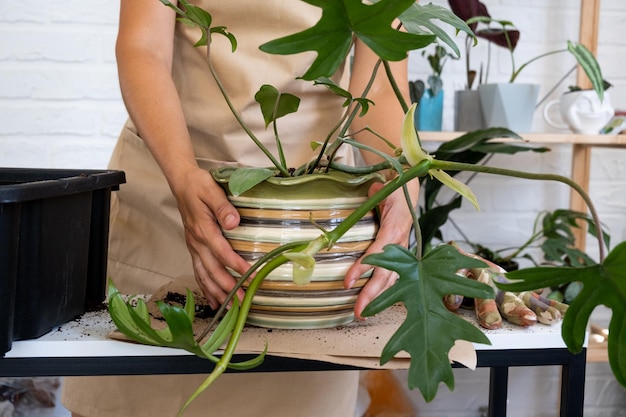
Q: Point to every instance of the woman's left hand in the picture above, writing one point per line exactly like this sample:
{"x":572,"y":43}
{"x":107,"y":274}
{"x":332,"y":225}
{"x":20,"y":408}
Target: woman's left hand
{"x":395,"y":226}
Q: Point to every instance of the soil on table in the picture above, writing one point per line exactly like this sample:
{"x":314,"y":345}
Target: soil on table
{"x":175,"y":294}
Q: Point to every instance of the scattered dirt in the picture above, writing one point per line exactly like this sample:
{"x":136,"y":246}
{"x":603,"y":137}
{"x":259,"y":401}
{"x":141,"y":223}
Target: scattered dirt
{"x":93,"y":306}
{"x":175,"y":294}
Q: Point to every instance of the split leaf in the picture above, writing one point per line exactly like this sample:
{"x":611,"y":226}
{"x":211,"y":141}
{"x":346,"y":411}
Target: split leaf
{"x":421,"y":287}
{"x":332,"y":35}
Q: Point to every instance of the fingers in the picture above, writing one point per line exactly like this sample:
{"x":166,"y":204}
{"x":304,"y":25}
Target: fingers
{"x":394,"y":228}
{"x":211,"y":259}
{"x":205,"y":210}
{"x":380,"y":280}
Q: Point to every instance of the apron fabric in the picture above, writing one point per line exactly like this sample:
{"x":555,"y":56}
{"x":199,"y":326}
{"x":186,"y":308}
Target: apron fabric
{"x":147,"y":248}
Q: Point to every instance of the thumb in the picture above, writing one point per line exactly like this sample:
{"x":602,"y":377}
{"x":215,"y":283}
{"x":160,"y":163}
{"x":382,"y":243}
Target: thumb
{"x":223,"y":210}
{"x":374,"y":188}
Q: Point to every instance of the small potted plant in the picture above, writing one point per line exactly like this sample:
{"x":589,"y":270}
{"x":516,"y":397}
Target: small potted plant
{"x":424,"y":278}
{"x":430,"y":95}
{"x":554,"y":238}
{"x":511,"y":104}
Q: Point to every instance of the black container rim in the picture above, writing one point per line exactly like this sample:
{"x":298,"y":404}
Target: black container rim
{"x":27,"y":184}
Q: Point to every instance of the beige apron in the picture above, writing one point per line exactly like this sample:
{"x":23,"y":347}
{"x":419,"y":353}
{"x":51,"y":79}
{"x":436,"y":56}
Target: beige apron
{"x":147,"y":247}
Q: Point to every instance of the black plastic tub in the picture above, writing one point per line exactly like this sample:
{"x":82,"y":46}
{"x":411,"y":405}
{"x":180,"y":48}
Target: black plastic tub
{"x":54,"y":229}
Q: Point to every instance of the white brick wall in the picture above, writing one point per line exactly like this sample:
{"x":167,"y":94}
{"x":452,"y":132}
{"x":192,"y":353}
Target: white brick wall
{"x":60,"y":106}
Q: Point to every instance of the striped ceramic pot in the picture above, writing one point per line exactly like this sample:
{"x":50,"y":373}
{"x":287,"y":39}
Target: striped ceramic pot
{"x":283,"y":210}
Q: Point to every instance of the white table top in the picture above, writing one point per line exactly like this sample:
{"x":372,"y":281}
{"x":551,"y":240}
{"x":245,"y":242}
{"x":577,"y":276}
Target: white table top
{"x":87,"y":337}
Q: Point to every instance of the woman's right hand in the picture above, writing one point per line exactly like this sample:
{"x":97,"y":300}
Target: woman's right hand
{"x":154,"y":106}
{"x":205,"y":210}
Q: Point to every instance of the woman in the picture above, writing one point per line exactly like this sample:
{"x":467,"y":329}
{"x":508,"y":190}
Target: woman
{"x":167,"y":220}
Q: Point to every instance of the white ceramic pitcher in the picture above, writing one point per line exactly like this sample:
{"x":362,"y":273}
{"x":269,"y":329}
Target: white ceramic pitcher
{"x":581,"y":111}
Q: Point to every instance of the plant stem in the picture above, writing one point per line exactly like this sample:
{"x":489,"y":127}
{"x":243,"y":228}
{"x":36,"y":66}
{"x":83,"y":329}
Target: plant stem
{"x":279,"y":146}
{"x":459,"y":166}
{"x":526,"y":244}
{"x":394,"y":86}
{"x":333,"y":149}
{"x":347,"y":121}
{"x":419,"y":244}
{"x":516,"y":72}
{"x":275,"y":252}
{"x":371,"y":203}
{"x":283,"y":170}
{"x":229,"y":351}
{"x":357,"y":106}
{"x":470,"y":80}
{"x":360,"y":170}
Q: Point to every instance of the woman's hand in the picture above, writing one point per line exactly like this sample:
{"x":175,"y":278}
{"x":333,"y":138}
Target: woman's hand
{"x":204,"y":208}
{"x":395,"y":226}
{"x":386,"y":119}
{"x":153,"y":104}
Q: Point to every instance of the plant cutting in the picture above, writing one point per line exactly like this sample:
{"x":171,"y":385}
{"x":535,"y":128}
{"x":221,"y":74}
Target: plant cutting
{"x":423,"y":279}
{"x":553,"y":234}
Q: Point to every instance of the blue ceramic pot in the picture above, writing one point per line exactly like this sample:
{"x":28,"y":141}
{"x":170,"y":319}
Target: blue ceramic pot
{"x":430,"y":111}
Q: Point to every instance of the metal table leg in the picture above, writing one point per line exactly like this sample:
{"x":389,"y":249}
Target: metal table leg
{"x":573,"y":385}
{"x":498,"y":391}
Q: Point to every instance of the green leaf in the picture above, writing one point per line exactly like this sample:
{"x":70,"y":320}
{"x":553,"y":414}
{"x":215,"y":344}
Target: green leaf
{"x":332,"y":35}
{"x":133,"y":321}
{"x":274,"y":104}
{"x":469,"y":140}
{"x":195,"y":16}
{"x":145,"y":328}
{"x":559,"y":241}
{"x":121,"y":316}
{"x":419,"y":16}
{"x":429,"y":330}
{"x":223,"y":329}
{"x":590,"y":65}
{"x":603,"y":284}
{"x":336,"y":89}
{"x":190,"y":305}
{"x":411,"y":145}
{"x":455,"y":185}
{"x":303,"y":267}
{"x":222,"y":30}
{"x":180,"y":325}
{"x":243,"y":179}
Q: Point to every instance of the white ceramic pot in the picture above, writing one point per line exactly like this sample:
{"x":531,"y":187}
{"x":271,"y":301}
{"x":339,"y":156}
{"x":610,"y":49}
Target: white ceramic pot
{"x":510,"y":105}
{"x":580,"y":111}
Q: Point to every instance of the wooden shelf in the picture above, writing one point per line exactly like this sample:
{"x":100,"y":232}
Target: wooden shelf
{"x":542,"y":138}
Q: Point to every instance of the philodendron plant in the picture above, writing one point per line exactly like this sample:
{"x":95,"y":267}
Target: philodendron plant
{"x":429,"y":330}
